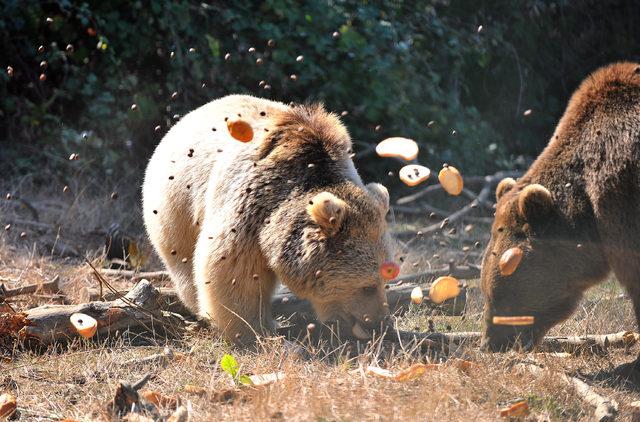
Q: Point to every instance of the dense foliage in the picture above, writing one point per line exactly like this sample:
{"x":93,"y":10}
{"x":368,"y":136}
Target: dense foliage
{"x":398,"y":64}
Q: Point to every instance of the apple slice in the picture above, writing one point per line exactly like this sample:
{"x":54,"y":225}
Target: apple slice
{"x":389,"y":270}
{"x":414,"y":174}
{"x":240,"y":130}
{"x":84,"y":324}
{"x":398,"y":147}
{"x":416,"y":295}
{"x":510,"y":260}
{"x":513,"y":320}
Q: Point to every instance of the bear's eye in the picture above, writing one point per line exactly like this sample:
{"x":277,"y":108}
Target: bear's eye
{"x":369,"y":290}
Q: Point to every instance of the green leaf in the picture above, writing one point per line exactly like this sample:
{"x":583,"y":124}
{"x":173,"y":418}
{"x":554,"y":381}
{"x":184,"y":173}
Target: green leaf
{"x":229,"y":365}
{"x":244,"y":379}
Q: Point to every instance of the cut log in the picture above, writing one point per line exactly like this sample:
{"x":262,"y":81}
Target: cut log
{"x":139,"y":311}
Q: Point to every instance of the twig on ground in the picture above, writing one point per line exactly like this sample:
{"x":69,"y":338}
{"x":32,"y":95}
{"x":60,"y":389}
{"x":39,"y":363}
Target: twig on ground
{"x":136,"y":276}
{"x":52,"y":286}
{"x":606,"y":408}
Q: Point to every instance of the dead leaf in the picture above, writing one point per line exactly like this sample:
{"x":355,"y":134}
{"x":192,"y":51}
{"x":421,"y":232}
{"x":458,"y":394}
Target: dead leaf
{"x":8,"y":405}
{"x":516,"y":410}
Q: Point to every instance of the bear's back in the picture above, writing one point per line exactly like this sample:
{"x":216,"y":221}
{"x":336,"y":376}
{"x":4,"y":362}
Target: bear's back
{"x":197,"y":149}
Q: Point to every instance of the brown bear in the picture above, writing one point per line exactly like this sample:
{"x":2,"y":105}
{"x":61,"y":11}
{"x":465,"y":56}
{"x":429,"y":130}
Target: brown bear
{"x":230,"y":218}
{"x":575,"y":213}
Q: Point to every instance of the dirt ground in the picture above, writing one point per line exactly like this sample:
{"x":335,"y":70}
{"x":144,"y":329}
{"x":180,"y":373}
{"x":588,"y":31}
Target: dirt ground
{"x":77,"y":380}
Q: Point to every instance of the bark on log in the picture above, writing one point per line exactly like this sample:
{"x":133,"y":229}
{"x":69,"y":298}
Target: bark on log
{"x":168,"y":299}
{"x":139,"y":311}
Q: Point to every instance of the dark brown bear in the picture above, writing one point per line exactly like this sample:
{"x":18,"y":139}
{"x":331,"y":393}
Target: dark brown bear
{"x":575,"y":214}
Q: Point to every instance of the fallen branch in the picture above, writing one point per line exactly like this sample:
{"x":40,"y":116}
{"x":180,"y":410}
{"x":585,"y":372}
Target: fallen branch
{"x":52,"y":286}
{"x":596,"y":343}
{"x":136,"y":276}
{"x":139,"y":311}
{"x":606,"y":409}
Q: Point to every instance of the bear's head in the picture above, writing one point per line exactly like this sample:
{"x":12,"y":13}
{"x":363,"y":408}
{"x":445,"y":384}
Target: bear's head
{"x":534,"y":265}
{"x":332,"y":253}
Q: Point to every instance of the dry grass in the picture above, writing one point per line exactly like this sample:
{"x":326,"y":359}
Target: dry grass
{"x":76,"y":382}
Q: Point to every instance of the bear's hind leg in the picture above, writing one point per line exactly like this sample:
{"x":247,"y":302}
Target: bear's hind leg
{"x":234,"y":288}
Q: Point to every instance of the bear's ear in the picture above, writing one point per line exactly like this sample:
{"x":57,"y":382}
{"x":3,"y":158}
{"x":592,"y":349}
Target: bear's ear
{"x":327,"y":211}
{"x":381,"y":195}
{"x":504,"y":186}
{"x":535,"y":203}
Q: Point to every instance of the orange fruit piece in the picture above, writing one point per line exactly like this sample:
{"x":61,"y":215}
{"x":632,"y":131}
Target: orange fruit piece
{"x":416,"y":295}
{"x":8,"y":405}
{"x":84,"y":324}
{"x":240,"y":130}
{"x":510,"y":260}
{"x":415,"y":371}
{"x":414,"y":174}
{"x":398,"y":147}
{"x":515,"y":410}
{"x":380,"y":372}
{"x":451,"y":180}
{"x":444,"y":288}
{"x":513,"y":320}
{"x":160,"y":400}
{"x":389,"y":270}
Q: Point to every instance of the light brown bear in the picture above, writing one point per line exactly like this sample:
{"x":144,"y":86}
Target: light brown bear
{"x":229,"y":219}
{"x":575,"y":213}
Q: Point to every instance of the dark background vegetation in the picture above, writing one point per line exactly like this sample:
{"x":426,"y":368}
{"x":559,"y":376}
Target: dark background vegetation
{"x":398,"y":64}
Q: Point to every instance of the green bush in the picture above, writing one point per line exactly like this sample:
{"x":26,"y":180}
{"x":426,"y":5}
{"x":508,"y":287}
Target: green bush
{"x":398,"y":64}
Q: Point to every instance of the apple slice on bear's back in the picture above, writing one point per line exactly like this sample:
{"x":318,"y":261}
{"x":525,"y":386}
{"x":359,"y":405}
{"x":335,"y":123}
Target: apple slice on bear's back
{"x":414,"y":174}
{"x":240,"y":130}
{"x":398,"y":147}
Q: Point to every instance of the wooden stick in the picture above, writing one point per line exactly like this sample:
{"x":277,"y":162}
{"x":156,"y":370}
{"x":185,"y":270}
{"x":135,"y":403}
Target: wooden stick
{"x":139,"y":311}
{"x":136,"y":276}
{"x":554,"y":344}
{"x":606,"y":409}
{"x":52,"y":286}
